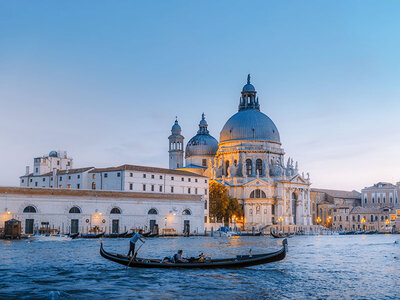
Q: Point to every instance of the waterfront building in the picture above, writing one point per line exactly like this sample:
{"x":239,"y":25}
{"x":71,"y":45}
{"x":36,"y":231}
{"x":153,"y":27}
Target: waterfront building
{"x":381,"y":194}
{"x":324,"y":201}
{"x":72,"y":210}
{"x":249,"y":161}
{"x":345,"y":218}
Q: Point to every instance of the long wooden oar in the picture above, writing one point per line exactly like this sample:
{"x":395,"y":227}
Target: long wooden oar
{"x":134,"y":255}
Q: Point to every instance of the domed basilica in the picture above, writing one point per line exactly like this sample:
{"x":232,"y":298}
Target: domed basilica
{"x":249,"y":161}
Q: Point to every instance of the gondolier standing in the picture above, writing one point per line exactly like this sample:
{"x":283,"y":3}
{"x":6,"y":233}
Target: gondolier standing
{"x":132,"y":242}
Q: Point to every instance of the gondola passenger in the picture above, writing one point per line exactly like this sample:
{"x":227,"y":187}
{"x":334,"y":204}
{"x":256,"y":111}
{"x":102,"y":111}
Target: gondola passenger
{"x":132,"y":242}
{"x":178,"y":257}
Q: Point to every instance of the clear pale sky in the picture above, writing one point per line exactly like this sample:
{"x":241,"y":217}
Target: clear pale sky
{"x":104,"y":80}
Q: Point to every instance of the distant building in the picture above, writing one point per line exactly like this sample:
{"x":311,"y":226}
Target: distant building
{"x":381,"y":194}
{"x":324,"y":201}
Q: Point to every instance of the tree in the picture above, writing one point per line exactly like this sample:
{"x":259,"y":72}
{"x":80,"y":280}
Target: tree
{"x":222,"y":206}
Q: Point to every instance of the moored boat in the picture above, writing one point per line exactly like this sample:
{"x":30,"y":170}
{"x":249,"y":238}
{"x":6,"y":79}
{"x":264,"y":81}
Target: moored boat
{"x":50,"y":237}
{"x":239,"y":261}
{"x":92,"y":236}
{"x":280,"y":235}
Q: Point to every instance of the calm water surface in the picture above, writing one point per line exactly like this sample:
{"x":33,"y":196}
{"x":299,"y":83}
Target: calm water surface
{"x":317,"y":267}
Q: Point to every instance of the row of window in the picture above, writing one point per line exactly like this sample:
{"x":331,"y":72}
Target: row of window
{"x":372,"y":218}
{"x":379,"y":200}
{"x":114,"y":210}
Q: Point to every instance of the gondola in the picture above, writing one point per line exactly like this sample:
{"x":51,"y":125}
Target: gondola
{"x":239,"y":261}
{"x":74,"y":235}
{"x":92,"y":236}
{"x":250,"y":234}
{"x":116,"y":235}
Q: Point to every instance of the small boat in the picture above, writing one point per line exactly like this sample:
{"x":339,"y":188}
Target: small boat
{"x":49,"y":237}
{"x":281,"y":235}
{"x":92,"y":236}
{"x":116,"y":235}
{"x":225,"y":231}
{"x":73,"y":235}
{"x":239,"y":261}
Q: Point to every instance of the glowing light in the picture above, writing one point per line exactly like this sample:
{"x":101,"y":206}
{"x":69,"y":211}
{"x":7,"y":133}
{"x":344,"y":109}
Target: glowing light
{"x":8,"y":212}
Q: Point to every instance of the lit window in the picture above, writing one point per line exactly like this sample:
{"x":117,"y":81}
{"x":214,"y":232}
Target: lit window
{"x":60,"y":186}
{"x":94,"y":176}
{"x":204,"y":163}
{"x":93,"y":185}
{"x":69,"y":186}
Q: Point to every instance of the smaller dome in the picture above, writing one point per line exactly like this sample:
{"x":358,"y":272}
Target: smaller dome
{"x":53,"y":153}
{"x":202,"y":144}
{"x":249,"y":88}
{"x":176,"y":128}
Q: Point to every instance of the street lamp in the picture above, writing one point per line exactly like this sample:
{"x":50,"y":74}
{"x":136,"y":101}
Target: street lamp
{"x":363,"y":222}
{"x":318,"y":220}
{"x":280,"y":220}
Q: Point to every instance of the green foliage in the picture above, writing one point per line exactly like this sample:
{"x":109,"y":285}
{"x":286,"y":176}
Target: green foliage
{"x":222,"y":206}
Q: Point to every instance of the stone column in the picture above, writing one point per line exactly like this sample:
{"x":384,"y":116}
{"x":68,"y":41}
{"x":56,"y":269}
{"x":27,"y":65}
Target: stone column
{"x":268,"y":215}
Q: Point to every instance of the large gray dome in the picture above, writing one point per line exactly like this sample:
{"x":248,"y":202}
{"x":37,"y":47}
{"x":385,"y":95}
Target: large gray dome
{"x":249,"y":124}
{"x":201,"y":144}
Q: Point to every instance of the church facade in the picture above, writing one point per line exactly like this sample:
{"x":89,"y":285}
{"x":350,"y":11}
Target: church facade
{"x":249,"y":161}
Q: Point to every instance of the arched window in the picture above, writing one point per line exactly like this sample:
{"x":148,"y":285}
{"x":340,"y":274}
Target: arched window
{"x":257,"y":194}
{"x":29,"y":209}
{"x":259,"y":166}
{"x":75,"y":210}
{"x":115,"y":210}
{"x":226,"y":167}
{"x":373,"y":200}
{"x":365,"y":201}
{"x":186,"y":212}
{"x":93,"y":185}
{"x":358,"y":218}
{"x":372,"y":218}
{"x":152,"y":211}
{"x":249,"y":167}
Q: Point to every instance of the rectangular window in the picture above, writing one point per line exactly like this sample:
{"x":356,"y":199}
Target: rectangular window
{"x":69,"y":177}
{"x":205,"y":219}
{"x":172,"y":177}
{"x":160,"y":188}
{"x":205,"y":191}
{"x":79,"y":176}
{"x":37,"y":170}
{"x":160,"y":176}
{"x":94,"y":176}
{"x":30,"y":180}
{"x":78,"y":186}
{"x":188,"y":190}
{"x":44,"y":179}
{"x":205,"y":181}
{"x":131,"y":186}
{"x":131,"y":174}
{"x":195,"y":180}
{"x":60,"y":178}
{"x":22,"y":181}
{"x":172,"y":189}
{"x":152,"y":176}
{"x":204,"y":162}
{"x":118,"y":174}
{"x":35,"y":183}
{"x":183,"y":179}
{"x":144,"y":175}
{"x":144,"y":187}
{"x":51,"y":178}
{"x":69,"y":186}
{"x":205,"y":204}
{"x":189,"y":179}
{"x":195,"y":191}
{"x":152,"y":188}
{"x":58,"y":162}
{"x":105,"y":175}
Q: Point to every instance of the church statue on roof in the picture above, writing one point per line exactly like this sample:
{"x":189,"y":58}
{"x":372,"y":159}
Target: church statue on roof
{"x":249,"y":161}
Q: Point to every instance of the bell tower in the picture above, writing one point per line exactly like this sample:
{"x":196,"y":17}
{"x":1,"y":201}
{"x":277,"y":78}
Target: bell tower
{"x":176,"y":147}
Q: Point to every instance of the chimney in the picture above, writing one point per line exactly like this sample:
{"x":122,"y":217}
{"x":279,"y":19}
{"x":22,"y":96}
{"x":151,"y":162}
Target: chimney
{"x":27,"y":170}
{"x":66,"y":169}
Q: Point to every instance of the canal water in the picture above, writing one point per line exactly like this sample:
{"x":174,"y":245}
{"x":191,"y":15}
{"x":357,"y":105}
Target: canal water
{"x":317,"y":267}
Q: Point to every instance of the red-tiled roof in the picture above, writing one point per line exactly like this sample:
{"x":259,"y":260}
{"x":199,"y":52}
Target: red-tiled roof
{"x":339,"y":193}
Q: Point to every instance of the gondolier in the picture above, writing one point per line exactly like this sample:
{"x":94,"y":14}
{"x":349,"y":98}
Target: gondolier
{"x":132,"y":242}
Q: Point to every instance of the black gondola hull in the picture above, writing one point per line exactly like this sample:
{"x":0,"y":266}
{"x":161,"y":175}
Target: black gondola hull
{"x":238,"y":262}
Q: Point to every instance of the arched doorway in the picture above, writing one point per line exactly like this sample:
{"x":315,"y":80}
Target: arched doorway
{"x":294,"y":199}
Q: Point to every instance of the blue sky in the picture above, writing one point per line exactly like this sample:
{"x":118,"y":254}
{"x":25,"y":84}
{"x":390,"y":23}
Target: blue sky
{"x":104,"y":80}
